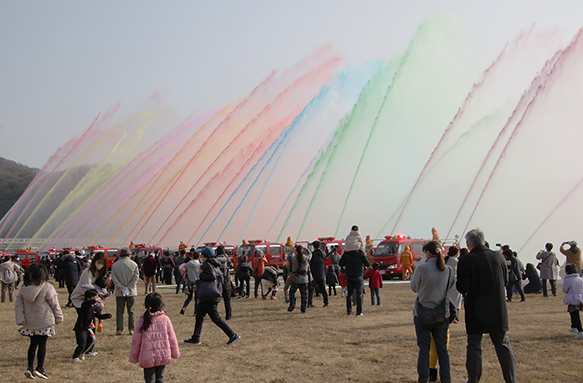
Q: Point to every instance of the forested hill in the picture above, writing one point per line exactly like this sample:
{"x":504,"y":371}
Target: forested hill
{"x":14,"y":179}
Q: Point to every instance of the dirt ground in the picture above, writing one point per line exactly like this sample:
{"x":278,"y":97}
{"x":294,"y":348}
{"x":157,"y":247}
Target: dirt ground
{"x":323,"y":345}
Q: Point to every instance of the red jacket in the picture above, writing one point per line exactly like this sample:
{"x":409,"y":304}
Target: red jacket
{"x":376,"y":278}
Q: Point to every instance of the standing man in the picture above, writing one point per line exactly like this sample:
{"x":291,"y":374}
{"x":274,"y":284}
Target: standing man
{"x":149,"y":268}
{"x":573,"y":254}
{"x":125,"y":275}
{"x":70,"y":271}
{"x":318,"y":268}
{"x":353,"y":261}
{"x":482,"y":277}
{"x":8,"y":276}
{"x":259,"y":263}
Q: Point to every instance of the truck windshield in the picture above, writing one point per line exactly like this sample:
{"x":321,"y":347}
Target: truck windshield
{"x":247,"y":249}
{"x":386,"y":249}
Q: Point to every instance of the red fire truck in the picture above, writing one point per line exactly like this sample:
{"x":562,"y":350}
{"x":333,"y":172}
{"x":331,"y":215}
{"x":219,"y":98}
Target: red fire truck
{"x":274,"y":252}
{"x":26,"y":257}
{"x":110,"y":252}
{"x":388,"y":253}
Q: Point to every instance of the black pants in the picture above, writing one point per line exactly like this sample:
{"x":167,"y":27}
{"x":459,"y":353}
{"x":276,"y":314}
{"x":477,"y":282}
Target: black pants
{"x":168,"y":275}
{"x":209,"y":308}
{"x":70,"y":289}
{"x":244,"y":280}
{"x":553,"y":287}
{"x":576,"y":320}
{"x":518,"y":285}
{"x":319,"y":284}
{"x":85,"y":342}
{"x":355,"y":286}
{"x":330,"y":287}
{"x":39,"y":341}
{"x":154,"y":374}
{"x":227,"y":299}
{"x":257,"y":284}
{"x":503,"y":351}
{"x":179,"y":280}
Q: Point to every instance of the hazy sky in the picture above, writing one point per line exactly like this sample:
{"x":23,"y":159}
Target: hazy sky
{"x":63,"y":62}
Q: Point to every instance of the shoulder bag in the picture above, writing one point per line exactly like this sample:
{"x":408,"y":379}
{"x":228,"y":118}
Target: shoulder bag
{"x":209,"y":290}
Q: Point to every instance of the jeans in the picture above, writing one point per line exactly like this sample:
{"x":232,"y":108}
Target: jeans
{"x":303,"y":287}
{"x":354,"y":286}
{"x":375,"y":292}
{"x":154,"y":374}
{"x":503,"y":351}
{"x":424,"y":342}
{"x":121,"y":303}
{"x":553,"y":287}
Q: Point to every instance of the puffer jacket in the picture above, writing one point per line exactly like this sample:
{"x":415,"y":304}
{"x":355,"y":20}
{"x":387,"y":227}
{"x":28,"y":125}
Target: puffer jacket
{"x":354,"y":241}
{"x":573,"y":287}
{"x":157,"y":346}
{"x":37,"y":307}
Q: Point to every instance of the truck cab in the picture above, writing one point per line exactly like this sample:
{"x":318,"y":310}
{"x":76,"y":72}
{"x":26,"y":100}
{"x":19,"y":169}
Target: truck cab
{"x":110,"y":252}
{"x":274,"y":252}
{"x":141,"y":251}
{"x":26,"y":257}
{"x":388,"y":253}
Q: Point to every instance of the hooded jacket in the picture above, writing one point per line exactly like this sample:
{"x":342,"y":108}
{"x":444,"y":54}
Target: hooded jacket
{"x":573,"y":287}
{"x":157,"y":346}
{"x":354,"y":241}
{"x":12,"y":269}
{"x":37,"y":307}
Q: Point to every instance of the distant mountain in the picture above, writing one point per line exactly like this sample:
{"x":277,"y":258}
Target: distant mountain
{"x":14,"y":179}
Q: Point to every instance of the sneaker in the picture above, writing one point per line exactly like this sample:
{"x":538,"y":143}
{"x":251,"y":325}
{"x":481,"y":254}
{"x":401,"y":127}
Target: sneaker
{"x":573,"y":330}
{"x":92,"y":353}
{"x":325,"y":305}
{"x":233,"y":339}
{"x":40,"y":374}
{"x":359,"y":315}
{"x":76,"y":360}
{"x":82,"y":357}
{"x":182,"y":312}
{"x":118,"y":333}
{"x":29,"y":374}
{"x":579,"y":335}
{"x":273,"y":298}
{"x":131,"y":332}
{"x":192,"y":341}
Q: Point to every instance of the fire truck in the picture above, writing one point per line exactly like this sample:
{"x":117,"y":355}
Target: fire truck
{"x":111,"y":253}
{"x":274,"y":252}
{"x":388,"y":253}
{"x":26,"y":257}
{"x":141,"y":251}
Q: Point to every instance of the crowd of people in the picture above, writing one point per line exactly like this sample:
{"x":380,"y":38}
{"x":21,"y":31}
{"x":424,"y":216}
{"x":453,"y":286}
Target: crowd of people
{"x":483,"y":279}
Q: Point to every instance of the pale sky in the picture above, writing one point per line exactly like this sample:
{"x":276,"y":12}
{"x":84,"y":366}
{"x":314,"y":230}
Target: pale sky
{"x":63,"y":62}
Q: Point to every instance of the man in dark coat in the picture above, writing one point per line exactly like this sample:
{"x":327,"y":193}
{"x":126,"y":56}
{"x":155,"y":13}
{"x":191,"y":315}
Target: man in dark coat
{"x":482,"y":276}
{"x":70,"y":271}
{"x":318,"y":269}
{"x":353,"y":261}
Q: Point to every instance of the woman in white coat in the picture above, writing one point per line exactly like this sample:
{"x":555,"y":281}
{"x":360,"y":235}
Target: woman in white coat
{"x":549,"y":269}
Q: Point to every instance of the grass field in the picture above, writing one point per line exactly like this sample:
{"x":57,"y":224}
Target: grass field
{"x":323,"y":345}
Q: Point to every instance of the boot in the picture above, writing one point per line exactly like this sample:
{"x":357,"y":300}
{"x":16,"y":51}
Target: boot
{"x":433,"y":374}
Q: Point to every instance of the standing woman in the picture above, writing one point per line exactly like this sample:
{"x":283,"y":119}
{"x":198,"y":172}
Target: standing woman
{"x":432,"y":282}
{"x":548,"y":269}
{"x":209,"y":272}
{"x":299,"y":263}
{"x":97,"y":269}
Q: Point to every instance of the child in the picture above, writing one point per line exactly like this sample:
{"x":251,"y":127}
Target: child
{"x":154,"y":342}
{"x":354,"y":241}
{"x":90,"y":309}
{"x":37,"y":311}
{"x":331,"y":280}
{"x":342,"y":281}
{"x":573,"y":287}
{"x":375,"y":283}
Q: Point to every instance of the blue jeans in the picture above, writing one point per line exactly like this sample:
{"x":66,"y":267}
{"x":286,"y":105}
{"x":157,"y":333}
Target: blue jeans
{"x":424,"y":343}
{"x":374,"y":292}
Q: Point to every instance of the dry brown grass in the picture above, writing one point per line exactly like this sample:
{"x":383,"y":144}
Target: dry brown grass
{"x":324,"y":345}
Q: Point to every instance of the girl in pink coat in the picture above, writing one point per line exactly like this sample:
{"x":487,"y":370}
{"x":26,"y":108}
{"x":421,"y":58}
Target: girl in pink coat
{"x":154,"y":343}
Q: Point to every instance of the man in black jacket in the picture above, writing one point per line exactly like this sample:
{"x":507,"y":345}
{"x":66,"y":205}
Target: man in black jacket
{"x":353,"y":261}
{"x":318,"y":269}
{"x":482,"y":276}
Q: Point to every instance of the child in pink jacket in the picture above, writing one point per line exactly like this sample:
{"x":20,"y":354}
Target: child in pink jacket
{"x":154,"y":343}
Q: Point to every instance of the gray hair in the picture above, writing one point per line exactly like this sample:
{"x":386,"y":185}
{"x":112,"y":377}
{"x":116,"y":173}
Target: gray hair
{"x":476,"y":237}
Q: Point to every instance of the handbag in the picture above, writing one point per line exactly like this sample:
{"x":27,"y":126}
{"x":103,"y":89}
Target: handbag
{"x":433,"y":317}
{"x":539,"y":266}
{"x":209,"y":290}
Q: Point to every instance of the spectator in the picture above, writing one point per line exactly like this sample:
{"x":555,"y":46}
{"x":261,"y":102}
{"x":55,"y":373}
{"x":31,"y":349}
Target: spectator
{"x":548,"y":269}
{"x":125,"y":275}
{"x":534,"y":285}
{"x":70,"y":270}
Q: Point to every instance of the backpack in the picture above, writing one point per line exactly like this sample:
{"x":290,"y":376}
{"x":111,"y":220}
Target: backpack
{"x":7,"y":276}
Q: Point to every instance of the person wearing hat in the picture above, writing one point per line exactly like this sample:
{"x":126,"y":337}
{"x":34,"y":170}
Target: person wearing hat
{"x":573,"y":254}
{"x":210,"y":271}
{"x":406,"y":260}
{"x":125,"y":275}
